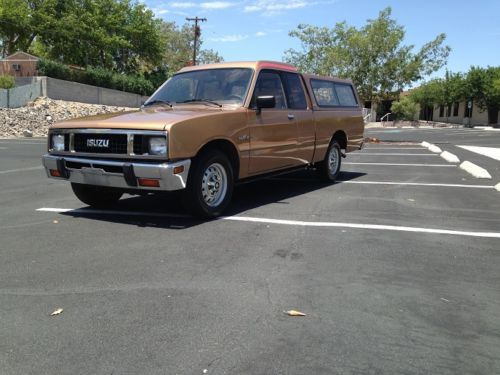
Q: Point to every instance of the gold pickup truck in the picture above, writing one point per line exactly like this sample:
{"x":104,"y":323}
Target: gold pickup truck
{"x":206,"y":129}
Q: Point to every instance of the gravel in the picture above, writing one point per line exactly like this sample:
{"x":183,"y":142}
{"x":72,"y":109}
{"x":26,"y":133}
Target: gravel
{"x":33,"y":120}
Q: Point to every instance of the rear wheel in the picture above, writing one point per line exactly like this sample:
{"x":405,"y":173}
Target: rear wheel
{"x":96,"y":196}
{"x":210,"y":184}
{"x":330,"y":167}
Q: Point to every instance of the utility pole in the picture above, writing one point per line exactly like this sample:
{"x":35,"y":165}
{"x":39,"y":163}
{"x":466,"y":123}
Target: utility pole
{"x":197,"y":33}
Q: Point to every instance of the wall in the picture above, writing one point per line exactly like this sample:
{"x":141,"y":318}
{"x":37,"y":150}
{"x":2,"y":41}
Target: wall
{"x":478,"y":117}
{"x":66,"y":90}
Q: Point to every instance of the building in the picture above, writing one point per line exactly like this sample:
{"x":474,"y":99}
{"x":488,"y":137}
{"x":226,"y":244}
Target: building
{"x":465,"y":112}
{"x":19,"y":64}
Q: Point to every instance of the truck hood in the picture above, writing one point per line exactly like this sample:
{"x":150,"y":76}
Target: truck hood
{"x":153,"y":118}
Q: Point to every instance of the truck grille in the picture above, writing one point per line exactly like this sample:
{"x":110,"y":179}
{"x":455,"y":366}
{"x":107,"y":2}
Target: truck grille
{"x":111,"y":143}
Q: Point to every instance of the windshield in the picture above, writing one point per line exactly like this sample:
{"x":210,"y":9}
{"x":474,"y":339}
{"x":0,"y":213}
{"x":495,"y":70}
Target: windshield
{"x":223,"y":86}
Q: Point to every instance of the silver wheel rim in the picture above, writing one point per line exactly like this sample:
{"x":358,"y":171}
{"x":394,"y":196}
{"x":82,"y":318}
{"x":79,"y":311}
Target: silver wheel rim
{"x":333,"y":160}
{"x":214,"y":185}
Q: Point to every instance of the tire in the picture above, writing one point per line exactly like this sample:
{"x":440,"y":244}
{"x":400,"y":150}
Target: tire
{"x":329,"y":169}
{"x":210,"y":184}
{"x":96,"y":196}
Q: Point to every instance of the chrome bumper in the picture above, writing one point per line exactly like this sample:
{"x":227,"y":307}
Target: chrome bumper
{"x":119,"y":174}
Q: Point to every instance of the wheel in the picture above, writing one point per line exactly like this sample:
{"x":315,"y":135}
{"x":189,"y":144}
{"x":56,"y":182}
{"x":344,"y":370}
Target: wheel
{"x":96,"y":196}
{"x":210,"y":184}
{"x":329,"y":168}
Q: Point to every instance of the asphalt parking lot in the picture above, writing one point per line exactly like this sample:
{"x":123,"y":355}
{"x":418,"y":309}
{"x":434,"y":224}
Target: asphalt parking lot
{"x":396,"y":266}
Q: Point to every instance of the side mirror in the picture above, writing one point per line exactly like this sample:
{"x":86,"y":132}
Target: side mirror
{"x":265,"y":102}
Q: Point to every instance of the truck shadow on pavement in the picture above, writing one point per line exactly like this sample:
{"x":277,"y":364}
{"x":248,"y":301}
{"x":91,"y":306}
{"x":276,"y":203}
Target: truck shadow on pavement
{"x":166,"y":210}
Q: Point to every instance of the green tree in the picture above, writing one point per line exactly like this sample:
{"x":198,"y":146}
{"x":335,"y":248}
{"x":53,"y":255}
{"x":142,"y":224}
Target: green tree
{"x":483,"y":85}
{"x":373,"y":56}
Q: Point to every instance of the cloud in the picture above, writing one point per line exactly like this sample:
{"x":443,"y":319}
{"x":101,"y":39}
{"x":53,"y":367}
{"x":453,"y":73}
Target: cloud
{"x":183,"y":5}
{"x":272,"y":7}
{"x":217,"y":5}
{"x":260,"y":33}
{"x":160,"y":11}
{"x":229,"y":38}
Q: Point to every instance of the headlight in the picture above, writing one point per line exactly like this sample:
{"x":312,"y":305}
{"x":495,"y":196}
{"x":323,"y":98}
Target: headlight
{"x":158,"y":146}
{"x":58,"y":142}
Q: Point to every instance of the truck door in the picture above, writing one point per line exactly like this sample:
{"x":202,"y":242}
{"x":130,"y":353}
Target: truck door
{"x":273,"y":131}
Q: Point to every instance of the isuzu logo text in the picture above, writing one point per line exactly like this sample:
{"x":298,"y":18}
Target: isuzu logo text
{"x":104,"y":143}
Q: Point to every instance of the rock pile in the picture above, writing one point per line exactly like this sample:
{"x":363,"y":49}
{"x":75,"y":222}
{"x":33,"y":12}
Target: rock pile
{"x":35,"y":118}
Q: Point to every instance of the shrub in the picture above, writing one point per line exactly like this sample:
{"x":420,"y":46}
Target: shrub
{"x":7,"y":82}
{"x":97,"y":77}
{"x":405,"y":109}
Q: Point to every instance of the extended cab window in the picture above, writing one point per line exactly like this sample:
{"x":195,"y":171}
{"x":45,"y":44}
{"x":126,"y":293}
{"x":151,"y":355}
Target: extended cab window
{"x":331,"y":94}
{"x":295,"y":91}
{"x":269,"y":84}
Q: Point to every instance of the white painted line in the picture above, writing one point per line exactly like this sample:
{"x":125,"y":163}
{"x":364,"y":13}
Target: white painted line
{"x":363,"y":226}
{"x":290,"y":222}
{"x":491,"y":152}
{"x":418,"y":184}
{"x":109,"y":212}
{"x":23,"y":143}
{"x":448,"y":156}
{"x":497,"y":187}
{"x":425,"y":144}
{"x":402,"y":164}
{"x":475,"y":170}
{"x":434,"y":148}
{"x":21,"y":170}
{"x":392,"y":148}
{"x":391,"y":154}
{"x":3,"y":148}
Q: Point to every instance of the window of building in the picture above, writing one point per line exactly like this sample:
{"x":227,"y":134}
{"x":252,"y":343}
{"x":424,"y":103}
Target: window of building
{"x":455,"y":109}
{"x":441,"y":111}
{"x":448,"y":111}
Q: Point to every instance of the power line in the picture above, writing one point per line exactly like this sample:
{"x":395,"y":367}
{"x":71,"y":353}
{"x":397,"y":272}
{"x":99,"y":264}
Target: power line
{"x":197,"y":33}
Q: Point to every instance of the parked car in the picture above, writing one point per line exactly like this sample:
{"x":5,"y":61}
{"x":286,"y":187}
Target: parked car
{"x":206,"y":129}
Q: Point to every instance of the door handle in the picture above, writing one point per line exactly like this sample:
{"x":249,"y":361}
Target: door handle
{"x":291,"y":116}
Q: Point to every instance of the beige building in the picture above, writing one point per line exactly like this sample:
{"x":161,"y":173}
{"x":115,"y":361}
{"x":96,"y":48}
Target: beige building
{"x":464,"y":113}
{"x":19,"y":64}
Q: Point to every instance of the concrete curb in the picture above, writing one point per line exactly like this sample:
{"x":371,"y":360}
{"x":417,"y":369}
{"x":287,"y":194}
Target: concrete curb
{"x":425,"y":144}
{"x":475,"y":170}
{"x":434,"y":148}
{"x":449,"y":157}
{"x":497,"y":187}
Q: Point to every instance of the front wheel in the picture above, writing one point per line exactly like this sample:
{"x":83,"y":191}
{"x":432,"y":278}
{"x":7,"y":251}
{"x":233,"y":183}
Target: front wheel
{"x":210,"y":185}
{"x":96,"y":196}
{"x":330,"y":167}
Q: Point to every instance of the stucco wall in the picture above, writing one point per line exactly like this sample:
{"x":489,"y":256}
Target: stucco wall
{"x":478,"y":117}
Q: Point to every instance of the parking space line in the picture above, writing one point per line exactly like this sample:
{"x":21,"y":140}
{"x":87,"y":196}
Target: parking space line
{"x":288,"y":222}
{"x":392,"y":148}
{"x":362,"y":226}
{"x":21,"y":169}
{"x":23,"y":143}
{"x":403,"y":164}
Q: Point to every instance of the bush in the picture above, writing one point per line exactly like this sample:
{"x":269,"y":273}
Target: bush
{"x":7,"y":82}
{"x":405,"y":109}
{"x":97,"y":77}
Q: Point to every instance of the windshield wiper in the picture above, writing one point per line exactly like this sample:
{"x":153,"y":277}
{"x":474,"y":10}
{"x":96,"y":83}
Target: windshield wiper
{"x":202,"y":100}
{"x":158,"y":101}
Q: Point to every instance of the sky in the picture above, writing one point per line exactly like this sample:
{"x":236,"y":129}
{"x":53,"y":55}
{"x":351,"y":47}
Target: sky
{"x":258,"y":29}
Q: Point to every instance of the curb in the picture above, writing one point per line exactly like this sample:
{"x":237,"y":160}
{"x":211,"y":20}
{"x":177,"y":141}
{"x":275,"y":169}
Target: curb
{"x":475,"y":170}
{"x":497,"y":187}
{"x":425,"y":144}
{"x":436,"y":149}
{"x":449,"y":157}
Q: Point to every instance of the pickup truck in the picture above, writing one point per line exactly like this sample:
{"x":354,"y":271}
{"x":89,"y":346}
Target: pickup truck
{"x":206,"y":129}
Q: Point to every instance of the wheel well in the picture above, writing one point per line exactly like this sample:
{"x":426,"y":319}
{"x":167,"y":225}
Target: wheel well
{"x":227,"y":148}
{"x":341,"y":138}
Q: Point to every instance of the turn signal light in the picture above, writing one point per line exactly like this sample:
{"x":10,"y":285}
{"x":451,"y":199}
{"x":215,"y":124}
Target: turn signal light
{"x":55,"y":173}
{"x":148,"y":182}
{"x":179,"y":169}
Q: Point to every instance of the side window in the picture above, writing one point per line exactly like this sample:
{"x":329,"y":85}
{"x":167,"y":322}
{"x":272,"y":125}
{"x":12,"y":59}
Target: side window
{"x":345,"y":95}
{"x":269,"y":84}
{"x":295,"y":91}
{"x":324,"y":93}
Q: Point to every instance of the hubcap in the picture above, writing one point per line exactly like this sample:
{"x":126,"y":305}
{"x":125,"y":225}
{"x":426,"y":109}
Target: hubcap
{"x":214,"y":185}
{"x":333,"y":160}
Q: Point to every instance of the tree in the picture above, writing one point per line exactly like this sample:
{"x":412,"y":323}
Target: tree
{"x":483,"y":85}
{"x":374,"y":56}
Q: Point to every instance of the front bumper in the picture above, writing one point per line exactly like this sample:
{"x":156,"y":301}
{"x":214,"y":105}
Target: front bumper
{"x":118,"y":174}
